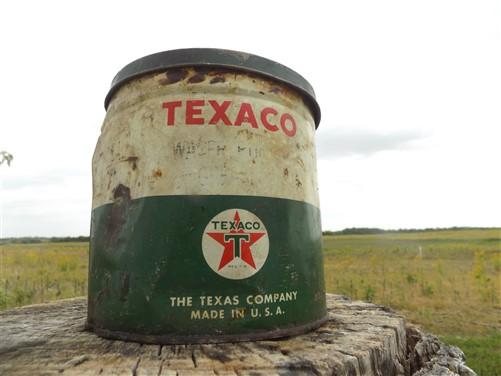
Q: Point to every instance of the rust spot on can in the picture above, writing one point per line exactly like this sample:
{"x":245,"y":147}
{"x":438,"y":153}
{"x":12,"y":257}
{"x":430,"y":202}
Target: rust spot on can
{"x":118,"y":214}
{"x":121,"y":194}
{"x":217,"y":79}
{"x":132,"y":160}
{"x":298,"y":182}
{"x":157,"y":173}
{"x":196,"y":78}
{"x":173,"y":75}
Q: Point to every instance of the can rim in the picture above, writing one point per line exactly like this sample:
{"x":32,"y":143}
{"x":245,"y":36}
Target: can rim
{"x":168,"y":339}
{"x":217,"y":58}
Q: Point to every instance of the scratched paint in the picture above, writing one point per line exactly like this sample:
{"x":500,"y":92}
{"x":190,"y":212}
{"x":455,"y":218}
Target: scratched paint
{"x":205,"y":212}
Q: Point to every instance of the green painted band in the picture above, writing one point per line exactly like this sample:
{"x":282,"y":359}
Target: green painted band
{"x":146,"y":260}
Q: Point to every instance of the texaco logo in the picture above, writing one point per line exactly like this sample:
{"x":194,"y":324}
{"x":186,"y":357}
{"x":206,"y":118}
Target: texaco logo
{"x":235,"y":244}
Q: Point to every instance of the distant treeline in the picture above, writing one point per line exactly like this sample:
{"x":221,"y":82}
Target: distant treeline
{"x":372,"y":230}
{"x":37,"y":239}
{"x":346,"y":231}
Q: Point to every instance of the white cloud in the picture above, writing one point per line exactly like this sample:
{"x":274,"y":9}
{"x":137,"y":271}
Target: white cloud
{"x":345,"y":142}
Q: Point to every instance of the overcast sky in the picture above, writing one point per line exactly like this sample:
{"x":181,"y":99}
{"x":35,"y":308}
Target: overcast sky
{"x":410,"y":93}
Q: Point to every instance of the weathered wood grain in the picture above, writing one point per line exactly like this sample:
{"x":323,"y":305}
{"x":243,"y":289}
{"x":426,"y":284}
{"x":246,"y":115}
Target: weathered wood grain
{"x":359,"y":339}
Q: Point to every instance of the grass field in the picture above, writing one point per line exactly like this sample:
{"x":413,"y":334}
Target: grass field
{"x":35,"y":273}
{"x":448,"y":282}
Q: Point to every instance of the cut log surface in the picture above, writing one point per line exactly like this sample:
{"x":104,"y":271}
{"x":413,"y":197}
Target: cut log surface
{"x":358,"y":339}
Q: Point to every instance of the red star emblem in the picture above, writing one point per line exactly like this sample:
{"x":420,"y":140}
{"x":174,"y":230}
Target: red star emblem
{"x":237,"y":244}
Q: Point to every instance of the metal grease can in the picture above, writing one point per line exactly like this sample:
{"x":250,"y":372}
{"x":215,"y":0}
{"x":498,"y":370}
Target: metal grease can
{"x":205,"y":213}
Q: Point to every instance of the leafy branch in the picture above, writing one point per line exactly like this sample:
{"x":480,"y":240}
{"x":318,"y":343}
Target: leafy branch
{"x":5,"y":157}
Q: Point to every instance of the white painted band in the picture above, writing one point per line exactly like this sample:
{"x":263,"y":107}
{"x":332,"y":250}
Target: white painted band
{"x":138,"y":149}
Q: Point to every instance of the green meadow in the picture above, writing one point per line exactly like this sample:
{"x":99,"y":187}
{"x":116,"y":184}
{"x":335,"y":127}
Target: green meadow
{"x":41,"y":272}
{"x":447,"y":282}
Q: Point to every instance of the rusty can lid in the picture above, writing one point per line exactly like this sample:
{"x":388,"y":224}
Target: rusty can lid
{"x":218,"y":58}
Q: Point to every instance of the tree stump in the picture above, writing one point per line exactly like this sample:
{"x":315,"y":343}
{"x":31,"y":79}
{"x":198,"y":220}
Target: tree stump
{"x":358,"y":339}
